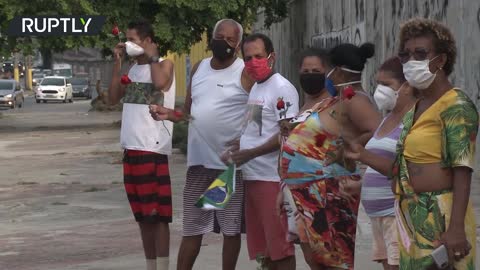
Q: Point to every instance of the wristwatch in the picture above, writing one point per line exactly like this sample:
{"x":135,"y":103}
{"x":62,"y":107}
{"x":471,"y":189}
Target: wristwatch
{"x":154,"y":59}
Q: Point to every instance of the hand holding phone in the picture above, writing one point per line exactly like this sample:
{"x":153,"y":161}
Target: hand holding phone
{"x":440,"y":257}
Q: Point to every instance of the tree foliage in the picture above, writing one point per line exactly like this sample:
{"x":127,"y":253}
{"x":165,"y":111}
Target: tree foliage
{"x":177,"y":23}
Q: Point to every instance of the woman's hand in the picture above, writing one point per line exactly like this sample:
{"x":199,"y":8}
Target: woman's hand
{"x":285,"y":128}
{"x":349,"y":189}
{"x":455,"y":240}
{"x":338,"y":156}
{"x":353,"y":150}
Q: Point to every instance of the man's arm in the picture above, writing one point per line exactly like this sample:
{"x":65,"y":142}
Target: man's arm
{"x":188,"y":98}
{"x":162,"y":74}
{"x":271,"y":145}
{"x":268,"y":147}
{"x":116,"y":90}
{"x":243,"y":156}
{"x":247,"y":82}
{"x":161,"y":113}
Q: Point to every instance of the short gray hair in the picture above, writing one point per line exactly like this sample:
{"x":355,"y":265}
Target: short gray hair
{"x":232,"y":21}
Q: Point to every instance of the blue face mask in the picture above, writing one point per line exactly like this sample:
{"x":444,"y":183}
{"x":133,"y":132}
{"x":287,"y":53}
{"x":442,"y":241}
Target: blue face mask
{"x":329,"y":85}
{"x":332,"y":88}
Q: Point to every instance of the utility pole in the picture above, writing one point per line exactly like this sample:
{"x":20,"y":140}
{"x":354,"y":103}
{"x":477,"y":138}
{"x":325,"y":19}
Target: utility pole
{"x":16,"y":72}
{"x":28,"y":72}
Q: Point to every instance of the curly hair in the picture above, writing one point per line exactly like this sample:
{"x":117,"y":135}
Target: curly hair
{"x":443,"y":39}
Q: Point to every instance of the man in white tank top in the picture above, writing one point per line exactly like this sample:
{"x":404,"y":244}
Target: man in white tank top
{"x":146,"y":142}
{"x":217,"y":101}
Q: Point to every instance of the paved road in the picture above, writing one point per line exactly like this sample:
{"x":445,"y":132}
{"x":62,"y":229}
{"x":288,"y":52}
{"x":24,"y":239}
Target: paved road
{"x":62,"y":204}
{"x":79,"y":105}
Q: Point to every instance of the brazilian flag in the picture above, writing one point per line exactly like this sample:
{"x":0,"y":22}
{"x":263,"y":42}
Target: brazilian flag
{"x":220,"y":192}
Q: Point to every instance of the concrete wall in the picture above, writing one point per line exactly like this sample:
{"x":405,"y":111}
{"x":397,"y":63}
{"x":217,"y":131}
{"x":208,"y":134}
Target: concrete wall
{"x":325,"y":23}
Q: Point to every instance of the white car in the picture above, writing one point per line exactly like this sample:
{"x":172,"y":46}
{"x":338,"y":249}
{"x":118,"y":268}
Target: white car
{"x":54,"y":88}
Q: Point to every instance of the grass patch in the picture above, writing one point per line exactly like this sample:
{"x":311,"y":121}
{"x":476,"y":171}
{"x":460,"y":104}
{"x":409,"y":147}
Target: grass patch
{"x":94,"y":189}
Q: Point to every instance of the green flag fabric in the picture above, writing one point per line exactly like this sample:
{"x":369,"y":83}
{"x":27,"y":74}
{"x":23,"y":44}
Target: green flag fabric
{"x":220,"y":192}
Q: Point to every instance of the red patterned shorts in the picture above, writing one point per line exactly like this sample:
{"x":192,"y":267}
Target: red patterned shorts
{"x":147,"y":183}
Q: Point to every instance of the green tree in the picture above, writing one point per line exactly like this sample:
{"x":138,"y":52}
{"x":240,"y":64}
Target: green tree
{"x":177,"y":23}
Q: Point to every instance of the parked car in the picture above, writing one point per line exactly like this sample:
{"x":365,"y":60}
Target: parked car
{"x":48,"y":72}
{"x":81,"y":75}
{"x":37,"y":77}
{"x":54,"y":88}
{"x":8,"y":66}
{"x":81,"y":87}
{"x":11,"y":94}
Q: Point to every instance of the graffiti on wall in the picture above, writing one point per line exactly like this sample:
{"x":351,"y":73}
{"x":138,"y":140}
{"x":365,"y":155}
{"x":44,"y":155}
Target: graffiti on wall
{"x":353,"y":34}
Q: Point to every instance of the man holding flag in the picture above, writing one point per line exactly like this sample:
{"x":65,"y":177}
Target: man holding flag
{"x":217,"y":101}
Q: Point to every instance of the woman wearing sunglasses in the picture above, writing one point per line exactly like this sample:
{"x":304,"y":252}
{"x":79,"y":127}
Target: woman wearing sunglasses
{"x":435,"y":154}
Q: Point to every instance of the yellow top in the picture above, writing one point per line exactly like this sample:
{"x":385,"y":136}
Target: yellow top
{"x":445,"y":133}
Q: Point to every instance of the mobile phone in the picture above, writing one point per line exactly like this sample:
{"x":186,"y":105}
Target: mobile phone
{"x":440,"y":257}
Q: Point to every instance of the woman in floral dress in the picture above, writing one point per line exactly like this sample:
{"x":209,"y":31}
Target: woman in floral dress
{"x":435,"y":154}
{"x":312,"y":167}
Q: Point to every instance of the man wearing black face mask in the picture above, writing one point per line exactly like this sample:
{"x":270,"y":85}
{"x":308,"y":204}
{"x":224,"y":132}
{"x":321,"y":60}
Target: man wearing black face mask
{"x":222,"y":50}
{"x":217,"y":101}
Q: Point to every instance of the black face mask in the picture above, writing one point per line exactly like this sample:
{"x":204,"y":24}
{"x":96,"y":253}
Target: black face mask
{"x":221,"y":50}
{"x":312,"y":83}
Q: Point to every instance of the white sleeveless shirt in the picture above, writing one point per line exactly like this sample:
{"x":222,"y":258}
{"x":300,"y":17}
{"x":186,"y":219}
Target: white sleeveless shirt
{"x":219,"y":103}
{"x":139,"y":130}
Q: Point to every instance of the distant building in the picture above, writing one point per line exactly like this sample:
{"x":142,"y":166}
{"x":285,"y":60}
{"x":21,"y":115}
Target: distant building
{"x":87,"y":60}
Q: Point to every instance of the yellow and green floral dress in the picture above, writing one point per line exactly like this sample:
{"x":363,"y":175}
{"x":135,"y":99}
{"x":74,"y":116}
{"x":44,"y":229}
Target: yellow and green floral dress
{"x":445,"y":133}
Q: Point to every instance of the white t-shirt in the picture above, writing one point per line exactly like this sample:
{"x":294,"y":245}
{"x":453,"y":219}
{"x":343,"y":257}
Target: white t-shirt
{"x":219,"y":103}
{"x":139,"y":130}
{"x":262,"y":122}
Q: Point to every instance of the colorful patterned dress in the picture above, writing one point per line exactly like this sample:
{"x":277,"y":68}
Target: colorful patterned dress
{"x":325,"y":220}
{"x":446,"y":133}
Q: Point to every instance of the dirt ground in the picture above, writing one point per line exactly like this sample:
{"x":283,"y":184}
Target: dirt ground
{"x":63,"y":206}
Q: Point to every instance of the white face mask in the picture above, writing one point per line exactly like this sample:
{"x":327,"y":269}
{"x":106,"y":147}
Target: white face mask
{"x":133,"y":49}
{"x":385,"y":97}
{"x":418,"y":73}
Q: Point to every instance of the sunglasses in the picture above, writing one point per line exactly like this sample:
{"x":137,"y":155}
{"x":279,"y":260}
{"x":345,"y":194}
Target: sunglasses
{"x":419,"y":54}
